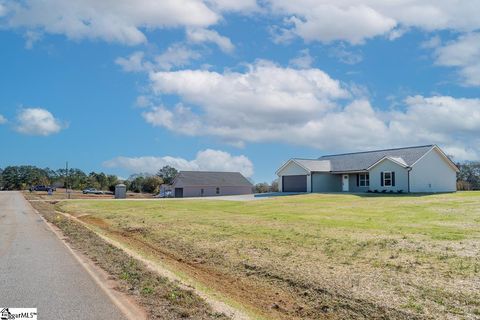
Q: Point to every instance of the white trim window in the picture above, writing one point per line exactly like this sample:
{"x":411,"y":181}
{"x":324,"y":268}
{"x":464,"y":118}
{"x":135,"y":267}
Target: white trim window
{"x":363,"y":180}
{"x":387,"y":179}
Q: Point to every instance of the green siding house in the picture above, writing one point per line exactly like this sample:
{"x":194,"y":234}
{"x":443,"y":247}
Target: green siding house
{"x":412,"y":169}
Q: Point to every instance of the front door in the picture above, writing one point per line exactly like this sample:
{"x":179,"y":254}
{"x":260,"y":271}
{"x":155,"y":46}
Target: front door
{"x":345,"y":182}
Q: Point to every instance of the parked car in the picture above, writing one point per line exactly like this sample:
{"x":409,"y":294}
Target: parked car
{"x":42,"y":188}
{"x":165,"y":194}
{"x":92,"y":191}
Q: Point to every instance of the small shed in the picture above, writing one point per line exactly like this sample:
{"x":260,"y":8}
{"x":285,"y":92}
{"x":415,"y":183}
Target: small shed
{"x":120,"y":191}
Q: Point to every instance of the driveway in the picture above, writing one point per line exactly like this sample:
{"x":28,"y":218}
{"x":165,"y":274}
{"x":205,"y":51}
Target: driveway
{"x":241,"y":197}
{"x":38,"y":271}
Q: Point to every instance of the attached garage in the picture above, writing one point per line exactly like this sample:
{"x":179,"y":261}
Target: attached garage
{"x":294,"y":183}
{"x":296,"y":174}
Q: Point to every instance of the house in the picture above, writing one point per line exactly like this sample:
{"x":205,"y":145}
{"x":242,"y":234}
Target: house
{"x":209,"y":183}
{"x":411,"y":169}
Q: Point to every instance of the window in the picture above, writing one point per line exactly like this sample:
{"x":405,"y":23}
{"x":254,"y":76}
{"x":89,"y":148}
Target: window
{"x":202,"y":192}
{"x":387,"y":179}
{"x":217,"y":191}
{"x":364,"y":180}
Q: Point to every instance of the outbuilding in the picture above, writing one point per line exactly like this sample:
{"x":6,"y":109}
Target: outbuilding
{"x":209,"y":184}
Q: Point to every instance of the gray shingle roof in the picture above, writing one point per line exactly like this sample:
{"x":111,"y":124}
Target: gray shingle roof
{"x":314,"y":165}
{"x":358,"y":161}
{"x":210,"y":178}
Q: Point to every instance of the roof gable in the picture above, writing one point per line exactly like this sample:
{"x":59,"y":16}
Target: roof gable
{"x":443,"y":156}
{"x":309,"y":165}
{"x":397,"y":160}
{"x":210,"y":178}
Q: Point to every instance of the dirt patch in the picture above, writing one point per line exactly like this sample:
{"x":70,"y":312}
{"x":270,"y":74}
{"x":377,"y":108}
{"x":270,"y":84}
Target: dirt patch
{"x":268,"y":294}
{"x":161,"y":298}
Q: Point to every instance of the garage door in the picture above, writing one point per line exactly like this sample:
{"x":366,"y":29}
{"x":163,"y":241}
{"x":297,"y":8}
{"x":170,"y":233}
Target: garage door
{"x":294,"y":184}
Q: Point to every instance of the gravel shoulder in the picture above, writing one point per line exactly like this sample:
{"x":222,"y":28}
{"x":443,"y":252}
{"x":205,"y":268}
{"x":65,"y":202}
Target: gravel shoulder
{"x":160,"y":297}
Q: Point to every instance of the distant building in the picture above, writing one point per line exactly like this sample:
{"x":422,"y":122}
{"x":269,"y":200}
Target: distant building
{"x":209,"y":184}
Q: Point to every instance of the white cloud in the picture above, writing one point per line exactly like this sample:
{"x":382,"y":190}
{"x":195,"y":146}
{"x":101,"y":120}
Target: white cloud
{"x":206,"y":160}
{"x":451,"y":122}
{"x":3,"y":10}
{"x":125,"y":21}
{"x":235,"y":105}
{"x":356,"y":21}
{"x":31,"y":37}
{"x":3,"y":120}
{"x":38,"y":122}
{"x":432,"y":43}
{"x":199,"y":35}
{"x":134,"y":63}
{"x":143,"y":102}
{"x":306,"y":107}
{"x":111,"y":20}
{"x":176,"y":55}
{"x":303,"y":61}
{"x":341,"y":53}
{"x":464,"y":54}
{"x":234,"y":5}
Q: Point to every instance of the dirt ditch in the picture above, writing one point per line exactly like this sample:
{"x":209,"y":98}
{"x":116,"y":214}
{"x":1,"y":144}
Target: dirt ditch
{"x":268,"y":294}
{"x":161,"y":298}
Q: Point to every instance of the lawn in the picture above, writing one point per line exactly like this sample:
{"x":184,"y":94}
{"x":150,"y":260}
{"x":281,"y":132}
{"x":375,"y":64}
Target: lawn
{"x":313,"y":256}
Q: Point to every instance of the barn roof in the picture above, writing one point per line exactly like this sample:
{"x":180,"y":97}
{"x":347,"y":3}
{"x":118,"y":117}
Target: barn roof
{"x":210,"y":178}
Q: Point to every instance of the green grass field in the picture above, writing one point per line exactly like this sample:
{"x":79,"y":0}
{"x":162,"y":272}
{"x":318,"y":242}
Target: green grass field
{"x":341,"y":256}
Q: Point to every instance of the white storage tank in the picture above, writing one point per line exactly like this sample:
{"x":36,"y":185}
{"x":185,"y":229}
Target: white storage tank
{"x":120,"y":191}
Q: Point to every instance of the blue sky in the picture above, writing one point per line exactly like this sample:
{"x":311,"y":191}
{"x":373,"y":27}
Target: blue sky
{"x":129,"y":86}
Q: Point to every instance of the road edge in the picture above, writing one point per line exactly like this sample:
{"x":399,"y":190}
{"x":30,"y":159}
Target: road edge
{"x":127,"y":305}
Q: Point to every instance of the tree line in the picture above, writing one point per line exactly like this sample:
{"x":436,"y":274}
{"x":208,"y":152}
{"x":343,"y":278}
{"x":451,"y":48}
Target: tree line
{"x":264,"y":187}
{"x":469,"y":176}
{"x":24,"y":177}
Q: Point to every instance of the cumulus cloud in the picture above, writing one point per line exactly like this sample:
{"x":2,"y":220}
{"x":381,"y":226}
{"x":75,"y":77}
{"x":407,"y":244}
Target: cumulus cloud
{"x":206,"y":160}
{"x":3,"y":120}
{"x":306,"y":107}
{"x":356,"y":21}
{"x":31,"y":37}
{"x":38,"y":122}
{"x":177,"y":55}
{"x":303,"y":61}
{"x":3,"y":10}
{"x":342,"y":54}
{"x":464,"y":54}
{"x":199,"y":35}
{"x":111,"y":20}
{"x":125,"y":21}
{"x":234,"y":5}
{"x":134,"y":62}
{"x":263,"y":90}
{"x":122,"y":21}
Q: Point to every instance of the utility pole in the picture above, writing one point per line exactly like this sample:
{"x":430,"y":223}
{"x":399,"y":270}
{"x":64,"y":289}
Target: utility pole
{"x":66,"y":179}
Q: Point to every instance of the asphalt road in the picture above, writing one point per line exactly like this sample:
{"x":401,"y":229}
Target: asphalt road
{"x":38,"y":271}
